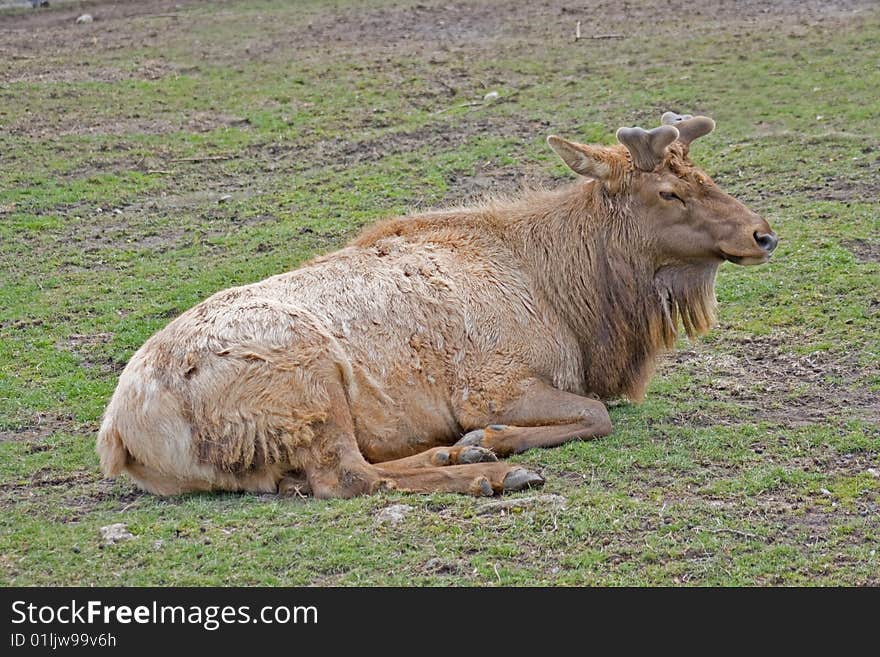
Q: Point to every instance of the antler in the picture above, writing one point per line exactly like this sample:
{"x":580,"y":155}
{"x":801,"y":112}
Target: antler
{"x":647,"y":147}
{"x":689,"y":127}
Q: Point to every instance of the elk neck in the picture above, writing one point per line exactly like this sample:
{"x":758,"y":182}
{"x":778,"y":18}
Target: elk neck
{"x":594,"y":266}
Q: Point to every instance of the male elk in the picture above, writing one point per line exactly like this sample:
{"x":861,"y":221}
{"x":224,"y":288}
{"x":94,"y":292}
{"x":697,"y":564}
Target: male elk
{"x":435,"y":343}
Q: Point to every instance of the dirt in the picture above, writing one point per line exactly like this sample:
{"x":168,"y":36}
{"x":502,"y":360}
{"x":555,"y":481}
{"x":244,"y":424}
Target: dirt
{"x":48,"y":125}
{"x":761,"y":375}
{"x":804,"y":521}
{"x":486,"y":179}
{"x":161,"y":224}
{"x":865,"y":251}
{"x":38,"y":429}
{"x":448,"y":30}
{"x":865,"y":189}
{"x":88,"y":347}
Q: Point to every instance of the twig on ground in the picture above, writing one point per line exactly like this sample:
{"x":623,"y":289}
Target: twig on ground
{"x":470,"y":104}
{"x":721,"y":530}
{"x":203,"y":158}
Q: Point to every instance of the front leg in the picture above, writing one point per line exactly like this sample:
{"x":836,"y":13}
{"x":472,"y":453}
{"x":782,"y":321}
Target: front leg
{"x":542,"y":416}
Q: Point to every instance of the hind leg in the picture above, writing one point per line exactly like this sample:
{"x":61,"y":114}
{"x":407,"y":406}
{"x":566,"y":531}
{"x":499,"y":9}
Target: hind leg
{"x":440,"y":456}
{"x":343,"y":472}
{"x":335,"y":467}
{"x":473,"y":479}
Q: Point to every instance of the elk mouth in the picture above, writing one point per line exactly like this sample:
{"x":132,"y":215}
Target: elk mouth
{"x":746,"y":260}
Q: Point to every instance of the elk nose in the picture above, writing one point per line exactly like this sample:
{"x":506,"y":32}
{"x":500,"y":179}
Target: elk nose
{"x":767,"y":241}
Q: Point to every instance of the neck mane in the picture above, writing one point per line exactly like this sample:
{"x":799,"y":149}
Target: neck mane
{"x":596,"y":269}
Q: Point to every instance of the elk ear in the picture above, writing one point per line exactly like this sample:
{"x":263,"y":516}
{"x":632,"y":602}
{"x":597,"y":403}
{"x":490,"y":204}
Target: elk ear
{"x":590,"y":161}
{"x":689,"y":127}
{"x":647,"y":147}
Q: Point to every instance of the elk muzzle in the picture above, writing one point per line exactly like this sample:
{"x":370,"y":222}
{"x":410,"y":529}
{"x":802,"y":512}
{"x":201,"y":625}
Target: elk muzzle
{"x":766,"y":241}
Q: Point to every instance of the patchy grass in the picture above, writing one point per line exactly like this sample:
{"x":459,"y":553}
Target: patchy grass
{"x":171,"y":149}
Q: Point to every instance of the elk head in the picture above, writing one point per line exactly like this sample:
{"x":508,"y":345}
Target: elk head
{"x":683,"y":216}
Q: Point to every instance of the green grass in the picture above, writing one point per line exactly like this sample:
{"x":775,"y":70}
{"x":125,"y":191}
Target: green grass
{"x":180,"y":169}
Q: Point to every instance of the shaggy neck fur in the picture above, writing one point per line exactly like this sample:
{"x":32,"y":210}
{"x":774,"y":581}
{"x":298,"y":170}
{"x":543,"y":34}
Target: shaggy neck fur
{"x":595,"y":266}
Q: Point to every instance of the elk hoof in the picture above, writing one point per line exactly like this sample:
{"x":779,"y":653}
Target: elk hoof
{"x":475,"y":454}
{"x":481,"y":487}
{"x":472,"y":438}
{"x":521,"y":479}
{"x":383,"y":485}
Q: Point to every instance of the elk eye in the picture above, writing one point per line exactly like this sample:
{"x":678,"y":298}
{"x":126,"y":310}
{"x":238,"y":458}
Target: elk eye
{"x":670,"y":196}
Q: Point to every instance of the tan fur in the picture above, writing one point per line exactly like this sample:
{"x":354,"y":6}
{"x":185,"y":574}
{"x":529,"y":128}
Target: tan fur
{"x":422,"y":328}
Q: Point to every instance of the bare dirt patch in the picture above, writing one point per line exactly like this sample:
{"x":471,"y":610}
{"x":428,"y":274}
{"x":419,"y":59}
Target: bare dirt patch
{"x":46,"y":125}
{"x":161,"y":224}
{"x":41,"y":427}
{"x":486,"y":179}
{"x":777,"y":386}
{"x":865,"y":250}
{"x":46,"y":45}
{"x":449,"y":29}
{"x":480,"y":24}
{"x":100,"y":492}
{"x":88,"y":348}
{"x":846,"y":189}
{"x":490,"y":180}
{"x":340,"y":153}
{"x":72,"y":494}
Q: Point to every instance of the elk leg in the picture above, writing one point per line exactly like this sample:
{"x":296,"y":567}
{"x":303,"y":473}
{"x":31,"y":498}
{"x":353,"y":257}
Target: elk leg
{"x":334,"y":466}
{"x":341,"y":480}
{"x":476,"y":478}
{"x":505,"y":439}
{"x":542,"y":417}
{"x":440,"y":456}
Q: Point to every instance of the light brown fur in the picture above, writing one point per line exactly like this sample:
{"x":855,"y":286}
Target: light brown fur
{"x":424,"y":328}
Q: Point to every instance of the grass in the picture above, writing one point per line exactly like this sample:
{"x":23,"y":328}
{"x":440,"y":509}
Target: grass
{"x":150,"y":161}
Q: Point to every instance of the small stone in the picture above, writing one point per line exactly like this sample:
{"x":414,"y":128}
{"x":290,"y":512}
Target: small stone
{"x":84,"y":18}
{"x":874,"y":472}
{"x":489,"y":97}
{"x":115,"y":533}
{"x":393,"y":514}
{"x":224,"y":198}
{"x":158,"y":544}
{"x":825,"y":491}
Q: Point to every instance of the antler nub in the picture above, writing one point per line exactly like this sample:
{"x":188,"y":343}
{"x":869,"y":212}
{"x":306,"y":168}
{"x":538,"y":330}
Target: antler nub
{"x":647,"y":147}
{"x":689,"y":127}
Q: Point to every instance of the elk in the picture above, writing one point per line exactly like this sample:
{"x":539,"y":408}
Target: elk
{"x":433,"y":344}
